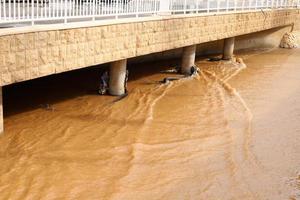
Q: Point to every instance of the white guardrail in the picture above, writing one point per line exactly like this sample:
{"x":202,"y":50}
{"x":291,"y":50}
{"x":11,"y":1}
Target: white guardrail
{"x":64,"y":11}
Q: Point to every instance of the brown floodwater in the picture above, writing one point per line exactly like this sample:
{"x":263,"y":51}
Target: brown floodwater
{"x":233,"y":132}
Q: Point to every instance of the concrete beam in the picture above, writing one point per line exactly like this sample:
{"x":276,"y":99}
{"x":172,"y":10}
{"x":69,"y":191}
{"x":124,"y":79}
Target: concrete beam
{"x":228,"y":48}
{"x":117,"y":76}
{"x":188,"y":59}
{"x":1,"y":112}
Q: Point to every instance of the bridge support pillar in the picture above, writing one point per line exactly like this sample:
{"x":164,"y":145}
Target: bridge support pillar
{"x":117,"y":76}
{"x":188,"y":59}
{"x":228,"y":48}
{"x":1,"y":112}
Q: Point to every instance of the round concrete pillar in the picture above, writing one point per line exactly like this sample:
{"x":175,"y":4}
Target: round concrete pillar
{"x":228,"y":48}
{"x":117,"y":76}
{"x":188,"y":59}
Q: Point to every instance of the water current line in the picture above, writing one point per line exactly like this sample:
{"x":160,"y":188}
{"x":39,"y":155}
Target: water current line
{"x":232,"y":92}
{"x":209,"y":76}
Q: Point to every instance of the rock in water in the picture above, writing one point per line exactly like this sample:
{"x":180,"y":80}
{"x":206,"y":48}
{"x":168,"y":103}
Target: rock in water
{"x":289,"y":41}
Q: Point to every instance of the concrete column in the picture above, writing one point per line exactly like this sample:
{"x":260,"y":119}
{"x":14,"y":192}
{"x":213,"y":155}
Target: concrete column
{"x":228,"y":48}
{"x":117,"y":76}
{"x":1,"y":112}
{"x":188,"y":59}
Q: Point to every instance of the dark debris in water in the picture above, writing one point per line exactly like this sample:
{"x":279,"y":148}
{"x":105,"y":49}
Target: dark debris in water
{"x":214,"y":59}
{"x":47,"y":107}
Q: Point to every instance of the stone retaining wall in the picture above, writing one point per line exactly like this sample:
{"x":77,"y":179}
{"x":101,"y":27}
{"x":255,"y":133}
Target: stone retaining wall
{"x":25,"y":56}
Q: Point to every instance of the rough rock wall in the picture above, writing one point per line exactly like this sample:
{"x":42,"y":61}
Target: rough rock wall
{"x":289,"y":41}
{"x":33,"y":54}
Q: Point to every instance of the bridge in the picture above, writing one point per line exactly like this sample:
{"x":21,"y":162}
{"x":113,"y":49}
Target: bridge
{"x":44,"y":37}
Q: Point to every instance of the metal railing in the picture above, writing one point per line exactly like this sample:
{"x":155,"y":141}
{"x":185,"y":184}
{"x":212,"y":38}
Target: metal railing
{"x":206,"y":6}
{"x":64,"y":11}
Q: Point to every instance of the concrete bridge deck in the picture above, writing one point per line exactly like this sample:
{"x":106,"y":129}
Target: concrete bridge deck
{"x":31,"y":52}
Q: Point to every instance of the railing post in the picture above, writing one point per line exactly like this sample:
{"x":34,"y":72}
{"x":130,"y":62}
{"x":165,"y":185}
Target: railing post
{"x":137,"y":8}
{"x":4,"y":10}
{"x":32,"y":12}
{"x":94,"y":10}
{"x":65,"y":9}
{"x":208,"y":6}
{"x":235,"y":4}
{"x":227,"y":5}
{"x":117,"y":8}
{"x":9,"y":10}
{"x":185,"y":7}
{"x":164,"y":7}
{"x":155,"y":7}
{"x":14,"y":10}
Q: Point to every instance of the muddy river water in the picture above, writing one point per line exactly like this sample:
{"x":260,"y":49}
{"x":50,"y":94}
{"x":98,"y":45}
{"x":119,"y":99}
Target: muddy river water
{"x":233,"y":132}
